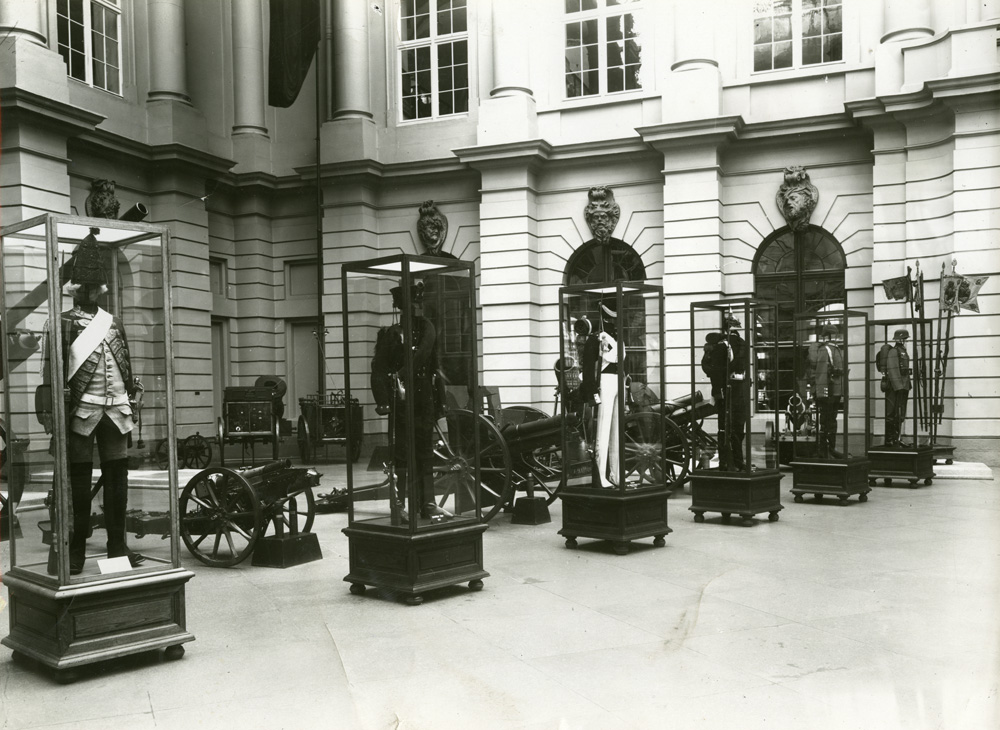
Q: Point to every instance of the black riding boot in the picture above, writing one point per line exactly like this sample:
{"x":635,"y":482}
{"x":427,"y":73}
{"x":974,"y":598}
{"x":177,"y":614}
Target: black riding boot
{"x":115,"y":507}
{"x":81,"y":475}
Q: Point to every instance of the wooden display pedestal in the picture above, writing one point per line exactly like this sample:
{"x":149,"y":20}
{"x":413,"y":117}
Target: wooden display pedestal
{"x":614,"y":516}
{"x":745,"y":493}
{"x":837,"y":477}
{"x":68,"y":627}
{"x":410,"y":565}
{"x":944,"y":452}
{"x":286,"y":551}
{"x":911,"y":463}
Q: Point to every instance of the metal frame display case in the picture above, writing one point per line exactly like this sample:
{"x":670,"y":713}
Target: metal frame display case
{"x":72,"y":602}
{"x":827,"y":416}
{"x":415,"y":515}
{"x":734,"y":351}
{"x":908,"y":455}
{"x":614,"y":462}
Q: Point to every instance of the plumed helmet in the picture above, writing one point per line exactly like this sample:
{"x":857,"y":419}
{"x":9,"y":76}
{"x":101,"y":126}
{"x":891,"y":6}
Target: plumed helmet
{"x":88,"y":264}
{"x":732,"y":323}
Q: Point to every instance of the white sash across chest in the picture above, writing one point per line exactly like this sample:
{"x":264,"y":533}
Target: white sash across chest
{"x":92,"y":336}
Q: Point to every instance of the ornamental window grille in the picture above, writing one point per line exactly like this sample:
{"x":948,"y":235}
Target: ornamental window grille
{"x":603,"y":47}
{"x":797,"y":33}
{"x":89,"y":40}
{"x":433,"y":55}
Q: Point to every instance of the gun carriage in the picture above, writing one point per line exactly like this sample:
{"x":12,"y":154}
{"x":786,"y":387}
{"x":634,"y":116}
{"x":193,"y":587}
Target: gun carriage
{"x":323,"y":422}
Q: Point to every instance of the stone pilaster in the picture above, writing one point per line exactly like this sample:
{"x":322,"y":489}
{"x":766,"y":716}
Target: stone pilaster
{"x":352,"y":133}
{"x":167,"y":51}
{"x":693,"y":88}
{"x":251,"y":144}
{"x":509,"y":114}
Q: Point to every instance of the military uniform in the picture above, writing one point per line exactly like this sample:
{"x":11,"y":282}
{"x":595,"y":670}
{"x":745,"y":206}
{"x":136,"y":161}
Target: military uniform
{"x":724,"y":360}
{"x":825,"y":372}
{"x":897,"y":373}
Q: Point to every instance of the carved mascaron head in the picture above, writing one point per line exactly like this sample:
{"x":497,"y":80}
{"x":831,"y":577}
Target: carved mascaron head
{"x":797,"y":197}
{"x":602,"y":212}
{"x":432,"y":227}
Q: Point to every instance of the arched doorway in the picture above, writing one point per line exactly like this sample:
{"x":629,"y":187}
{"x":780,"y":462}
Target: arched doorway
{"x":802,"y":271}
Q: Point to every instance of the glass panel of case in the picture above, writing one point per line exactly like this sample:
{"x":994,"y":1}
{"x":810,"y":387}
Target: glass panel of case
{"x":410,"y":361}
{"x":898,"y":383}
{"x":612,"y":431}
{"x":735,"y":360}
{"x":826,"y":417}
{"x":86,"y":387}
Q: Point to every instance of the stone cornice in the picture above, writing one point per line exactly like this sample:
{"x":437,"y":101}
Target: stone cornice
{"x":510,"y":153}
{"x":71,"y":120}
{"x":935,"y":91}
{"x":167,"y":153}
{"x":715,"y":130}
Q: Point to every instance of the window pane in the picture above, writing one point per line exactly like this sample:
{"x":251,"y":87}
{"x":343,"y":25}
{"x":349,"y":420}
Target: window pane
{"x":445,"y":103}
{"x":76,"y":10}
{"x":832,"y":22}
{"x":111,"y":26}
{"x":630,"y":22}
{"x":614,"y":55}
{"x":113,"y":84}
{"x":782,"y":29}
{"x":63,"y":30}
{"x":783,"y":55}
{"x":633,"y":78}
{"x":97,"y":18}
{"x":590,"y":58}
{"x":444,"y":54}
{"x":444,"y":80}
{"x":444,"y":22}
{"x":423,"y":58}
{"x":574,"y":86}
{"x":782,"y":7}
{"x":462,"y":77}
{"x":573,"y":56}
{"x":616,"y":79}
{"x":811,"y":51}
{"x":812,"y":23}
{"x":459,"y":23}
{"x":61,"y":7}
{"x":810,"y":4}
{"x":762,"y":30}
{"x":97,"y":43}
{"x":461,"y":101}
{"x":461,"y":51}
{"x":589,"y":31}
{"x":591,"y":83}
{"x":423,"y":26}
{"x":572,"y":6}
{"x":572,"y":35}
{"x":615,"y":30}
{"x":633,"y":52}
{"x":832,"y":50}
{"x":589,"y":5}
{"x":78,"y":66}
{"x":762,"y":58}
{"x":98,"y":68}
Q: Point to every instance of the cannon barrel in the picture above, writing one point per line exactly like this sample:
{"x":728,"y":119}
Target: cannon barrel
{"x":533,"y":434}
{"x":257,"y":471}
{"x":670,"y":406}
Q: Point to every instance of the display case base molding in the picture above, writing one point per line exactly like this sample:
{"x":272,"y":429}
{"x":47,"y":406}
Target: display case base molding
{"x":841,"y":478}
{"x":619,"y":518}
{"x":945,"y":453}
{"x":72,"y":626}
{"x":912,"y":464}
{"x":410,"y":565}
{"x":736,"y":493}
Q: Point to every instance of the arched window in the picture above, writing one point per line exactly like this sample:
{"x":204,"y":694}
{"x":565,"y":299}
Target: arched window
{"x":598,"y":263}
{"x":803,"y":271}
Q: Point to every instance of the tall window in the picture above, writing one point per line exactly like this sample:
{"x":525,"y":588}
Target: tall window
{"x":603,"y":47}
{"x":802,"y":272}
{"x":433,"y":58}
{"x":89,"y":33}
{"x":793,"y":33}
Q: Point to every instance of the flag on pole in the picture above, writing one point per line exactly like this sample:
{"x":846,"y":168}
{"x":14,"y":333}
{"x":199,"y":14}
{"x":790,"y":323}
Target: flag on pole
{"x":897,"y":289}
{"x":295,"y":28}
{"x":950,"y":285}
{"x":968,"y":292}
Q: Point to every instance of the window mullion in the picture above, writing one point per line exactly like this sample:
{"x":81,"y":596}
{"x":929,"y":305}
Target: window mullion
{"x":88,"y":45}
{"x":435,"y":109}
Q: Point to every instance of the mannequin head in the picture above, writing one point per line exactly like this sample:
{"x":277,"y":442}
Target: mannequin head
{"x":609,"y":317}
{"x":88,"y":280}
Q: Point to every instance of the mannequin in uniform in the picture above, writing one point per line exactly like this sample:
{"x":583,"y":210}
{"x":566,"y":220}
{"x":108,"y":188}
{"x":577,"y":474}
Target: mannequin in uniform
{"x":725,"y":364}
{"x":898,"y":388}
{"x":391,"y":389}
{"x":600,"y":386}
{"x":98,"y":370}
{"x":825,"y":373}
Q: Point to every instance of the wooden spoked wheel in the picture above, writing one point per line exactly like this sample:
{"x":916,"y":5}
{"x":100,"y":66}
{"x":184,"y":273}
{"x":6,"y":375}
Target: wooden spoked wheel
{"x":220,"y":517}
{"x":294,"y":512}
{"x":197,"y":452}
{"x":455,"y":456}
{"x":304,"y":437}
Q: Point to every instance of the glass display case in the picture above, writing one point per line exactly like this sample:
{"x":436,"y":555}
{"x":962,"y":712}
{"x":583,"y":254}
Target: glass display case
{"x":826,"y":418}
{"x":901,"y":445}
{"x":95,"y":572}
{"x":415,"y":509}
{"x":734,"y":355}
{"x":613,"y":444}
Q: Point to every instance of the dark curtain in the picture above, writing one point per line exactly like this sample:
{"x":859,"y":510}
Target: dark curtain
{"x":294,"y":37}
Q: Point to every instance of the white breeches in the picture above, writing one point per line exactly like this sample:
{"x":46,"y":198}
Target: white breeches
{"x":607,"y":430}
